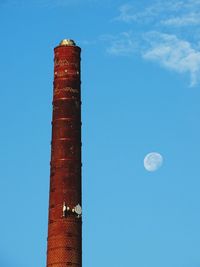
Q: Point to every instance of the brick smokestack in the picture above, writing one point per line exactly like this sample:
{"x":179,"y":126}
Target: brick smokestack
{"x":64,"y":245}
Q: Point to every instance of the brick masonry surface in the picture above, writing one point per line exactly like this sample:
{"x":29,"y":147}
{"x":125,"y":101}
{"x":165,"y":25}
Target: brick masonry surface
{"x":64,"y":243}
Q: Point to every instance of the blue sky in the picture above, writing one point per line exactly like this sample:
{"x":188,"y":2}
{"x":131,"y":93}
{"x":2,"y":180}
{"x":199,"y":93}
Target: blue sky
{"x":140,"y":93}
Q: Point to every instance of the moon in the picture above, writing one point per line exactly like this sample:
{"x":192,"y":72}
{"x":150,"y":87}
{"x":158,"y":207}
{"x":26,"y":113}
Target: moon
{"x":153,"y":161}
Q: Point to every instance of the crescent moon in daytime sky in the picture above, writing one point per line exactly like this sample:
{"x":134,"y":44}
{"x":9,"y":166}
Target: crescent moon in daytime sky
{"x":153,"y":161}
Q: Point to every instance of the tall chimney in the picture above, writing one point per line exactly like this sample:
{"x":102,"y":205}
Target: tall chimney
{"x":64,"y":244}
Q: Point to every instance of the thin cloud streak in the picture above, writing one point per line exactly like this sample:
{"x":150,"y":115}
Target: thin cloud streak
{"x":166,"y":12}
{"x":122,"y":44}
{"x":185,"y":20}
{"x":129,"y":13}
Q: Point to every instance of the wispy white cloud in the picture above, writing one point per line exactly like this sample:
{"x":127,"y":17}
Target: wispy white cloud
{"x":171,"y":30}
{"x":168,"y":50}
{"x":174,"y":54}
